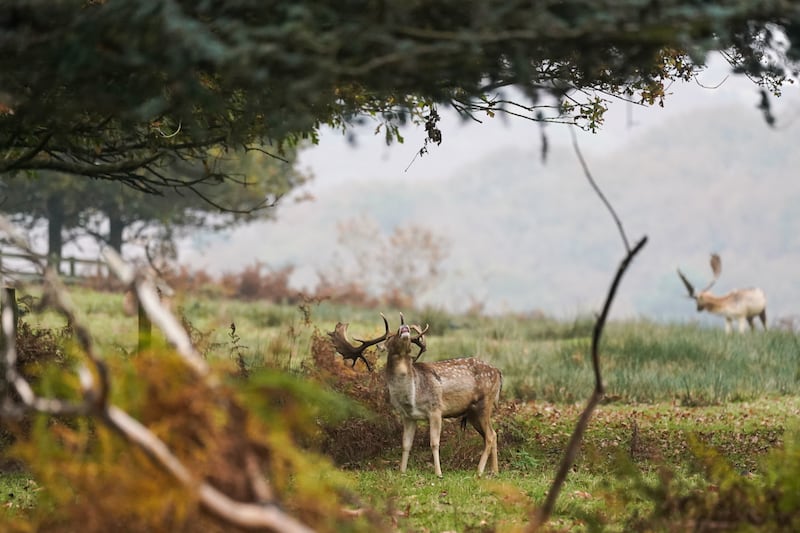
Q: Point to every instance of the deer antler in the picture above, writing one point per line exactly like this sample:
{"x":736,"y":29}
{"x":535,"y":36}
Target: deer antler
{"x":716,"y":269}
{"x":419,"y":340}
{"x":686,"y":282}
{"x":347,"y":350}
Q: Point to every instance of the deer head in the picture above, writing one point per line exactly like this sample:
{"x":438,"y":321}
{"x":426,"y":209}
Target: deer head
{"x":702,"y":297}
{"x":419,"y":340}
{"x":464,"y":388}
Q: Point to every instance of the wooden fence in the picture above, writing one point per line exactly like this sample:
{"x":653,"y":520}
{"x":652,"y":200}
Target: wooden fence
{"x":73,"y":272}
{"x":10,"y":298}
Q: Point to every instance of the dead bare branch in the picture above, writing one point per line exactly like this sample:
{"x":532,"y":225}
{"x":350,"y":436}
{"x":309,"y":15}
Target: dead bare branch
{"x":214,"y":501}
{"x":246,"y":515}
{"x":542,"y":514}
{"x":30,"y":400}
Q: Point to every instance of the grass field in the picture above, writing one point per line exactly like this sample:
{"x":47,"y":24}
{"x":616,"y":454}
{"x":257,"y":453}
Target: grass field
{"x":671,"y":390}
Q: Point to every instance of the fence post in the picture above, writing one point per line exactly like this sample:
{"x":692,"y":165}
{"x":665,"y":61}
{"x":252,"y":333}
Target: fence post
{"x":9,"y":298}
{"x":145,"y":329}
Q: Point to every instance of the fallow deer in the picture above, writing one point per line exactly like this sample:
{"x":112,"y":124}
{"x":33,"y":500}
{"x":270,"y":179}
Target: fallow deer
{"x":740,"y":304}
{"x":465,"y":388}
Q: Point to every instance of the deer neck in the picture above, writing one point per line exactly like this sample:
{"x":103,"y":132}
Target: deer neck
{"x":708,"y":302}
{"x":399,"y":367}
{"x":401,"y":381}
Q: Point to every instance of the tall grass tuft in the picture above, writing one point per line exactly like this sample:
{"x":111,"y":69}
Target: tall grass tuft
{"x":646,"y":362}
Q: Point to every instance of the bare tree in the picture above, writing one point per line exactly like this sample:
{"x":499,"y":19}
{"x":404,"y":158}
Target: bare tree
{"x":409,"y":257}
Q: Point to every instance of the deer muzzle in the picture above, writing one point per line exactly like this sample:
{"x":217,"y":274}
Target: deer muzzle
{"x":404,"y":332}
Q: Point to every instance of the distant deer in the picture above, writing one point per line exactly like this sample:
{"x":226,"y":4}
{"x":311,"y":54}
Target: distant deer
{"x":738,"y":304}
{"x":465,"y":387}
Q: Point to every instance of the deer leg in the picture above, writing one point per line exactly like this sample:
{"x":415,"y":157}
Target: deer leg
{"x":489,"y":447}
{"x":483,"y":425}
{"x":493,"y":433}
{"x":741,"y":324}
{"x":409,"y":428}
{"x":435,"y":421}
{"x":728,"y":326}
{"x":750,"y":323}
{"x":763,"y":316}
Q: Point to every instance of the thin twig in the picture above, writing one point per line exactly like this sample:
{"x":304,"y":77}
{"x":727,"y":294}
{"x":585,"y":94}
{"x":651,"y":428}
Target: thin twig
{"x":597,"y":189}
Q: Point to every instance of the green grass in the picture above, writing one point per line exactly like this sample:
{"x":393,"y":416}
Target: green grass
{"x":615,"y":459}
{"x":670,"y":388}
{"x":17,"y":492}
{"x":541,"y":359}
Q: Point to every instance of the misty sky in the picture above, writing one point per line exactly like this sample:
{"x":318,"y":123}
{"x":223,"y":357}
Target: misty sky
{"x":339,"y":164}
{"x":336,"y":160}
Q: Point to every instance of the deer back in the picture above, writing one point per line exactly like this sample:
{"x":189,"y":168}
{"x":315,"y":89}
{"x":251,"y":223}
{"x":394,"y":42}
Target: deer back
{"x":464,"y":383}
{"x":738,"y":302}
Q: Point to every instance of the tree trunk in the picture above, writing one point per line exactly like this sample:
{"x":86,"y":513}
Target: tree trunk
{"x":115,"y":227}
{"x":55,"y":225}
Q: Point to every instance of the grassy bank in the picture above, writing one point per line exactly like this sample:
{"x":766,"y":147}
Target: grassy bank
{"x":673,"y":391}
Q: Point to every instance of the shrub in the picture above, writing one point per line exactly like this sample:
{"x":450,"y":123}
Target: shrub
{"x":258,"y":281}
{"x":725,"y":499}
{"x":37,"y":350}
{"x":359,"y":438}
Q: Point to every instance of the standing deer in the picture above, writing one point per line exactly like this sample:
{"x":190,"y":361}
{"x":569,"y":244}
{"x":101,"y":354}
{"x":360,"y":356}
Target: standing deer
{"x":738,"y":304}
{"x":465,"y":388}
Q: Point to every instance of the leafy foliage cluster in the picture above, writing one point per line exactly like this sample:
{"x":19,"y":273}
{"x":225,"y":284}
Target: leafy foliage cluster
{"x":41,"y":351}
{"x":124,"y":90}
{"x":728,"y":500}
{"x":95,"y":480}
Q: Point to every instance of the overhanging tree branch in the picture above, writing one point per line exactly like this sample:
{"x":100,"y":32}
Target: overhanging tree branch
{"x":239,"y":71}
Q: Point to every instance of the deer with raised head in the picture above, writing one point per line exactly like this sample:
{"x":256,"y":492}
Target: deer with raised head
{"x":465,"y":388}
{"x":739,"y":304}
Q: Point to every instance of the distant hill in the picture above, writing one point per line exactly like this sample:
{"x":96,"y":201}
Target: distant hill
{"x":527,"y":235}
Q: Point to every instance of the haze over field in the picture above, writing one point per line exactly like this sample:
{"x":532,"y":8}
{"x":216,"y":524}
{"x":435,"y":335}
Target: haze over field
{"x":709,"y":175}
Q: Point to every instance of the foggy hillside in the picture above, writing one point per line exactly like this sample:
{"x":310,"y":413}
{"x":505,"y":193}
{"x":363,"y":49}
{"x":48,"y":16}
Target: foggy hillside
{"x":526,"y":235}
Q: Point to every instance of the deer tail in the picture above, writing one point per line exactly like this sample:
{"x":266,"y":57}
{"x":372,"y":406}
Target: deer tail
{"x":499,"y":390}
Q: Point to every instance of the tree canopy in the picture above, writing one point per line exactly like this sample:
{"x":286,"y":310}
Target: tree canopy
{"x":126,"y":90}
{"x":115,"y":214}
